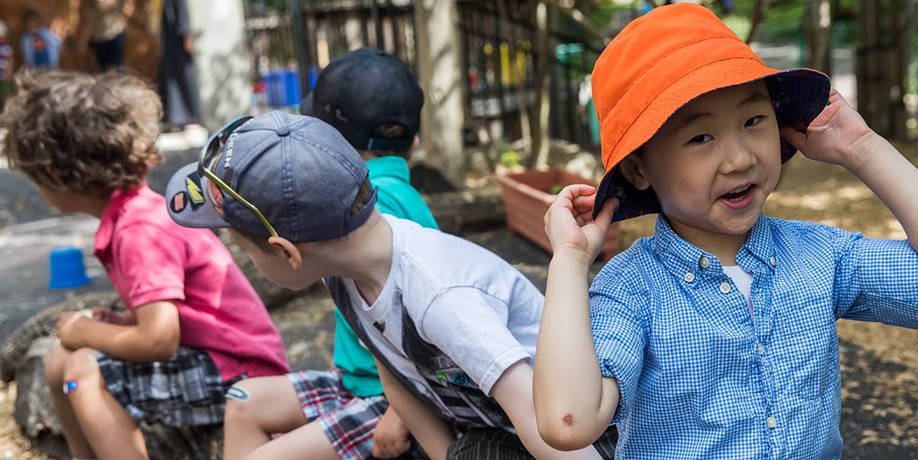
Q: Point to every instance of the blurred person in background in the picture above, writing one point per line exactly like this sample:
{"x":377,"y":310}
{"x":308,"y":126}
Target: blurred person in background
{"x":40,"y":47}
{"x":178,"y":85}
{"x":102,"y":25}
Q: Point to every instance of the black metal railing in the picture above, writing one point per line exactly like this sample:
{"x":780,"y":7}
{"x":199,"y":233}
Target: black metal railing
{"x":498,"y":55}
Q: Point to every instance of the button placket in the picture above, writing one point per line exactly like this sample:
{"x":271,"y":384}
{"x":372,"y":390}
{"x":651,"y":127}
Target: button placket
{"x":771,"y":422}
{"x":725,"y":287}
{"x":704,"y":262}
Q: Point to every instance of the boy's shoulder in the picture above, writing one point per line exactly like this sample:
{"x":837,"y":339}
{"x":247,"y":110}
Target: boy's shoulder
{"x":628,"y":271}
{"x":433,"y":262}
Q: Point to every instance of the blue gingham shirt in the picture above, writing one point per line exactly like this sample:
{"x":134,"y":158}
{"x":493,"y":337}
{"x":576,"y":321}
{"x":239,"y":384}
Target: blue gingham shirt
{"x":699,"y":378}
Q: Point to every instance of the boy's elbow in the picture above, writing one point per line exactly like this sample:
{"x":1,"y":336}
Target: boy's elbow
{"x":563,"y":432}
{"x":163,"y":348}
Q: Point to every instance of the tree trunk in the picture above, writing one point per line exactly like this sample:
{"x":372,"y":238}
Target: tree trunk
{"x":882,"y":64}
{"x":819,"y":35}
{"x":439,"y":71}
{"x":541,"y":107}
{"x":872,"y":67}
{"x":758,"y":15}
{"x":901,"y":17}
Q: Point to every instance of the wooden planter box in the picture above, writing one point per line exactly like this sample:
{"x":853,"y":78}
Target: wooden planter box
{"x":526,"y":200}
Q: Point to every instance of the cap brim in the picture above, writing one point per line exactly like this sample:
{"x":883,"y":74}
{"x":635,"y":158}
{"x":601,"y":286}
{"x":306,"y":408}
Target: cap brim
{"x":187,"y":200}
{"x":306,"y":105}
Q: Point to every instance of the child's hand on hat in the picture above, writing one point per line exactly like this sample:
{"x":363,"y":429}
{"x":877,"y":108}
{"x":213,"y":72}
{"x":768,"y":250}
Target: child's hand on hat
{"x":570,"y":226}
{"x":835,"y":136}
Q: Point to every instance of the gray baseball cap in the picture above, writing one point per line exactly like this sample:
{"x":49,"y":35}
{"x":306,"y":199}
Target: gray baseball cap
{"x":298,"y":171}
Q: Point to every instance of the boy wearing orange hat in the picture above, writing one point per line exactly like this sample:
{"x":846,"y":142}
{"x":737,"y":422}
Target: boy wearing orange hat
{"x":714,"y":338}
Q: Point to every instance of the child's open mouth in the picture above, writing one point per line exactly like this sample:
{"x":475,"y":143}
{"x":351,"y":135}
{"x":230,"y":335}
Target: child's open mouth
{"x":739,"y":198}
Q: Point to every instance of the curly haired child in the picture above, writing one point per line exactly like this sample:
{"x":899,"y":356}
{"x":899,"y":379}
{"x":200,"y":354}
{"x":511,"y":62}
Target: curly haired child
{"x":194,"y":324}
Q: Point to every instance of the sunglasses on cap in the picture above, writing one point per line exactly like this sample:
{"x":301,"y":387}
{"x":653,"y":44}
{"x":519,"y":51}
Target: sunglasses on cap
{"x":207,"y":164}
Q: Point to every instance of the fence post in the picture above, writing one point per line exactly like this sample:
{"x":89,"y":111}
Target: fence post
{"x":439,"y":73}
{"x":300,"y":42}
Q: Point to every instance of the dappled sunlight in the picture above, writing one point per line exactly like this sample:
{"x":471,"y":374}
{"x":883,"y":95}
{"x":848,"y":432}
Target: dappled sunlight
{"x":824,"y":199}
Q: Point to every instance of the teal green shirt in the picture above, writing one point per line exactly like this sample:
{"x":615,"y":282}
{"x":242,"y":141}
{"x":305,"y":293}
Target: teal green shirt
{"x":397,"y":197}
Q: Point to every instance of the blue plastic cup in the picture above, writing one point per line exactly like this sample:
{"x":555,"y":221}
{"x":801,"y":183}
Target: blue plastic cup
{"x":67,"y":268}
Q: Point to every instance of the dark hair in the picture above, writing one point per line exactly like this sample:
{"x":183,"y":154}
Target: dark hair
{"x":91,"y":133}
{"x":360,"y":201}
{"x":30,"y":15}
{"x":388,"y":131}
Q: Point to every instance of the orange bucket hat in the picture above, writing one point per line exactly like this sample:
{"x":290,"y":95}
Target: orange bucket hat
{"x":659,"y":63}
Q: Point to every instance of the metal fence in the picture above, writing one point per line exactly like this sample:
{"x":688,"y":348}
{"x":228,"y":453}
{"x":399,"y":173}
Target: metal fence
{"x":497,"y":49}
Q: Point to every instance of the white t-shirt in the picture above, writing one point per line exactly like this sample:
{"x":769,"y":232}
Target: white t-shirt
{"x":451,"y":318}
{"x":743,"y":281}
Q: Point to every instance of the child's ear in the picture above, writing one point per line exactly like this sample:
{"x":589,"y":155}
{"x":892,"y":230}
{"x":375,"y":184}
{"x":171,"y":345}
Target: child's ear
{"x":633,"y":171}
{"x":290,"y":251}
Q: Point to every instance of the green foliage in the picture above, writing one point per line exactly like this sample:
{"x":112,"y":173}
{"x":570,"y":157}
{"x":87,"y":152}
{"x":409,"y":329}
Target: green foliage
{"x":555,"y":189}
{"x":509,"y":159}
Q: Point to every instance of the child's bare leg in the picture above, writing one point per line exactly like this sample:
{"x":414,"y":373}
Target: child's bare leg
{"x":306,"y":442}
{"x":263,"y":406}
{"x":54,"y":375}
{"x":108,"y":428}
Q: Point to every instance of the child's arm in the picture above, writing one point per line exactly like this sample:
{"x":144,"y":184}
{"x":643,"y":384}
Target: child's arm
{"x":840,"y":136}
{"x":432,"y":433}
{"x":155,"y":337}
{"x":574,"y":403}
{"x":513,"y":391}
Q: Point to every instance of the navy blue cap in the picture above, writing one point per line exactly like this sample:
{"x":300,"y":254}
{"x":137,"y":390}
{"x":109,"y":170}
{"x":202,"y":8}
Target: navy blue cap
{"x":297,"y":170}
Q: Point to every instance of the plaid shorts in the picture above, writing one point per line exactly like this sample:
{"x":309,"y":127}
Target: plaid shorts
{"x":346,"y":419}
{"x":184,"y":391}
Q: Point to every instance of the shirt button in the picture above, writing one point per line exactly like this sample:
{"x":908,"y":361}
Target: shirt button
{"x":725,"y":287}
{"x":773,"y":261}
{"x":689,"y":277}
{"x":704,"y":262}
{"x":771,"y":422}
{"x":761,"y":349}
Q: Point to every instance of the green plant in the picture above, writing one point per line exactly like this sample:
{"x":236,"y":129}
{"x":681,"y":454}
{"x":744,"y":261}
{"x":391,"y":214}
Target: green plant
{"x":509,"y":159}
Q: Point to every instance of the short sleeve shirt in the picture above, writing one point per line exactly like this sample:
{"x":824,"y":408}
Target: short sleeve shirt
{"x":150,"y":258}
{"x":396,"y":197}
{"x":450,"y":320}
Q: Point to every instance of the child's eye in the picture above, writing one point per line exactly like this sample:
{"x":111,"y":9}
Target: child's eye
{"x":701,"y":138}
{"x":754,"y":120}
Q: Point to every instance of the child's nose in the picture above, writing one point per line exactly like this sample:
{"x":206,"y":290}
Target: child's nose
{"x":738,"y":156}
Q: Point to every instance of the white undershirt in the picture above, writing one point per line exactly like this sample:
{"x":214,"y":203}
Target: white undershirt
{"x":743,"y":281}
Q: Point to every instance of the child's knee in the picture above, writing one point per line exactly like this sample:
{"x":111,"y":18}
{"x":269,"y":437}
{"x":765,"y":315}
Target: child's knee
{"x":81,"y":365}
{"x":239,"y":405}
{"x":54,"y":366}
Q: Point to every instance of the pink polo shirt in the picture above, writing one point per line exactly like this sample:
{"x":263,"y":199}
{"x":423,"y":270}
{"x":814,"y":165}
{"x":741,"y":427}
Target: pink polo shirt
{"x":150,"y":258}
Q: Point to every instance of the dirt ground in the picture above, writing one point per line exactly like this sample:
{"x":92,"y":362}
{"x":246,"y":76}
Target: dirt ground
{"x":879,"y":363}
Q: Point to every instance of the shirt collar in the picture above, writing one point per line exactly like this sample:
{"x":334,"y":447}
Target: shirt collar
{"x":110,"y":215}
{"x":685,"y":260}
{"x":389,"y":166}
